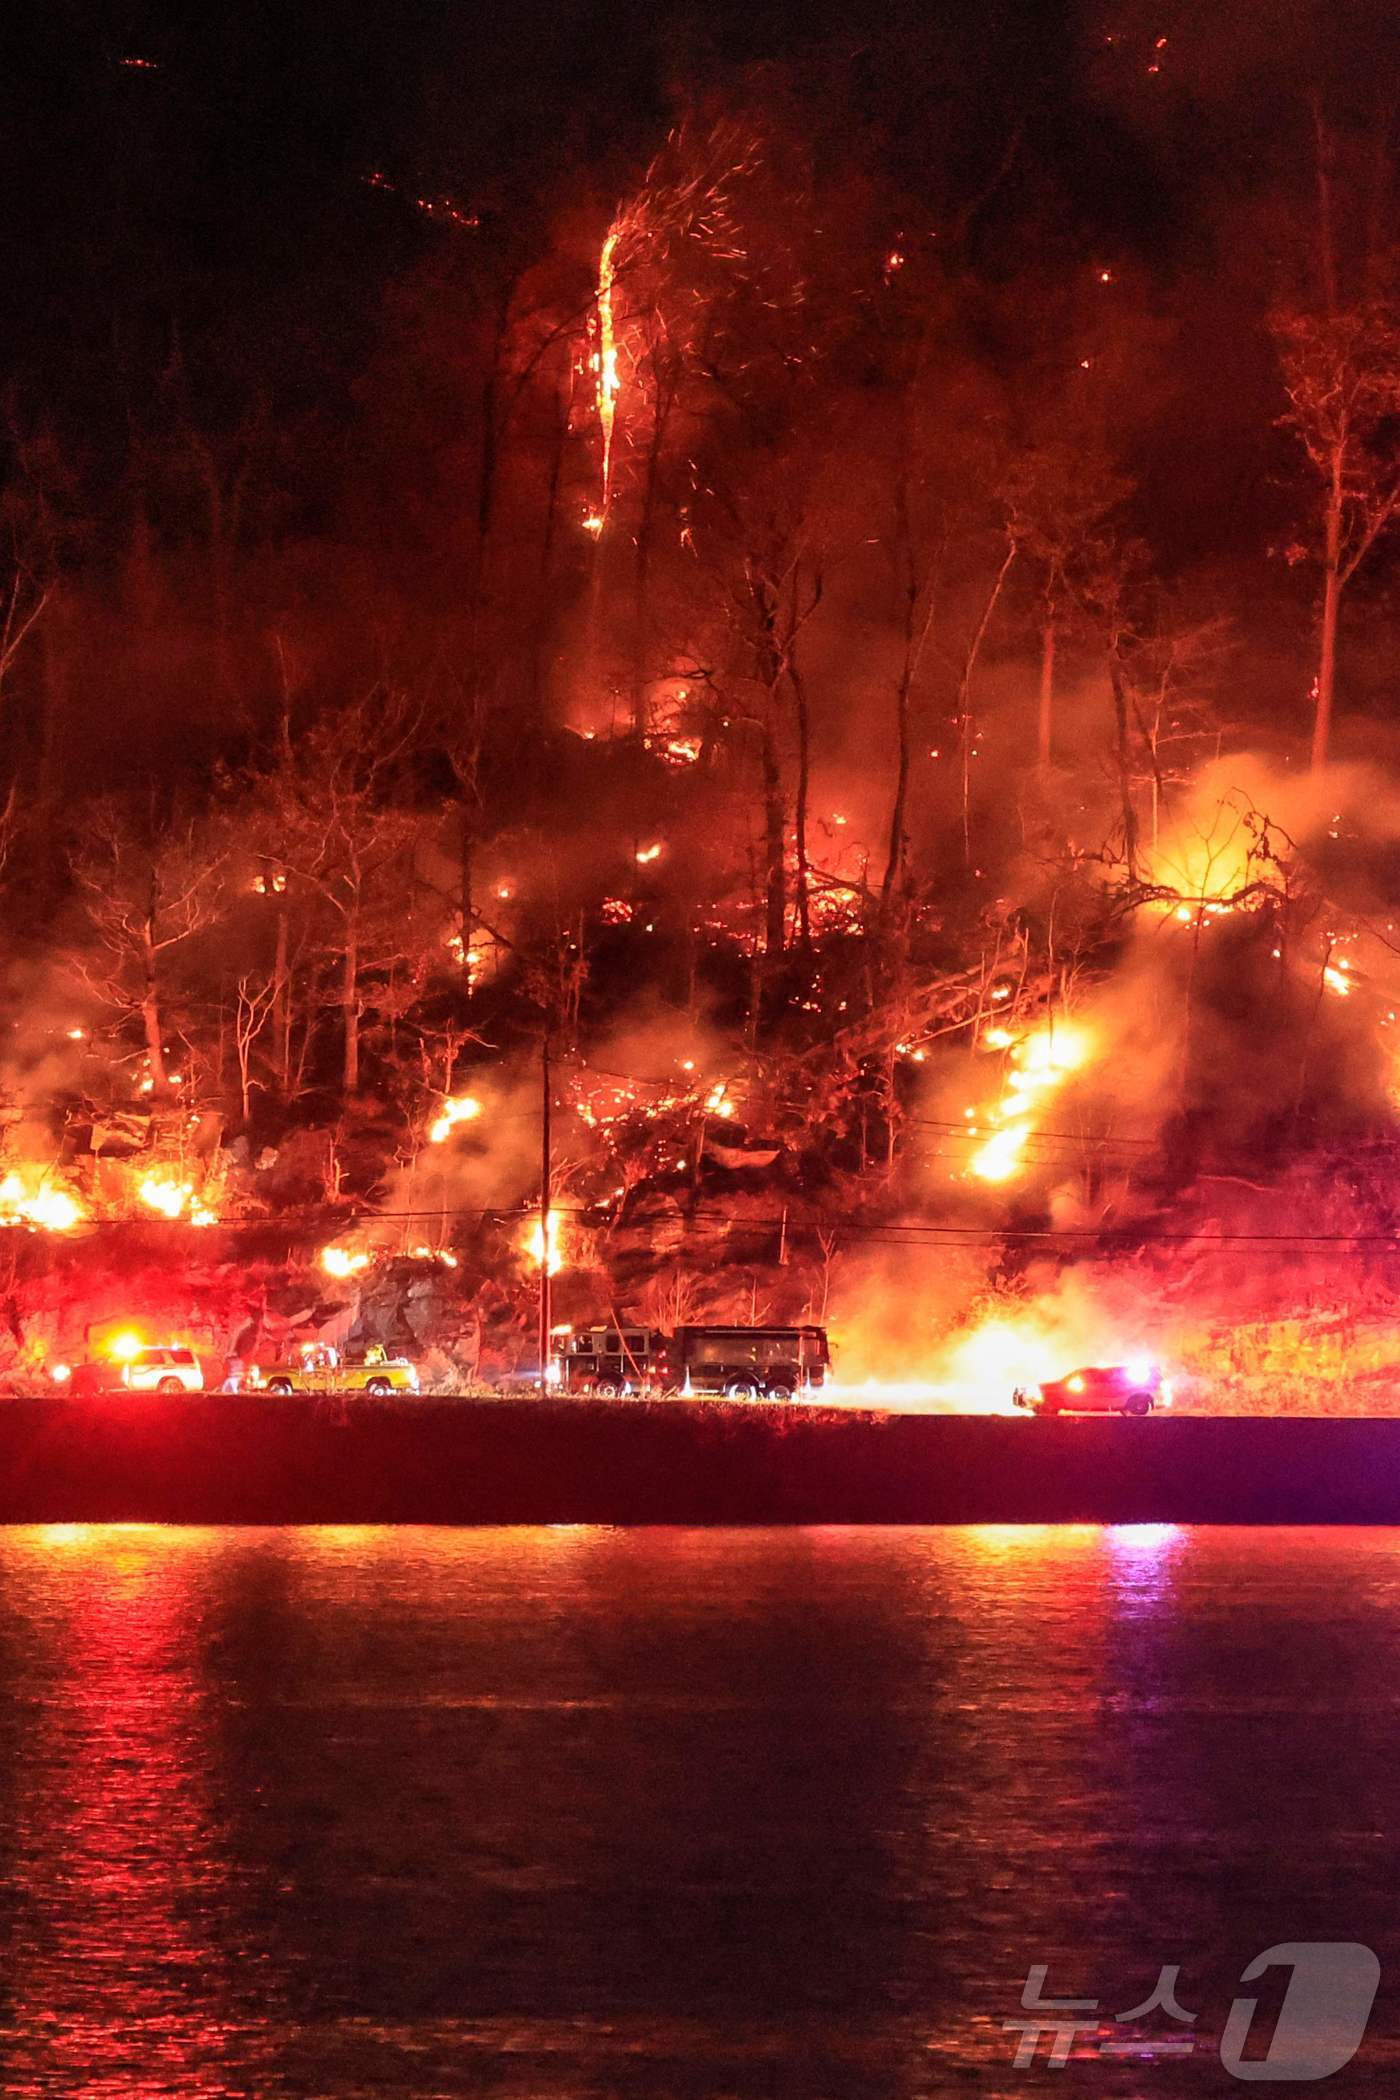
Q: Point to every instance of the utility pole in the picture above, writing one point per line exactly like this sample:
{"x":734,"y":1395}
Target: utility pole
{"x":546,"y":1191}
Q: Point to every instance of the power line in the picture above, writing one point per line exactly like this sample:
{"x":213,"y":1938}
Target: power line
{"x":910,"y":1234}
{"x":977,"y":1132}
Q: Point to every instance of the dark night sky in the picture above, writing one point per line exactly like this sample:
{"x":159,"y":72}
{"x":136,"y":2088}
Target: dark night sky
{"x":217,"y":196}
{"x":241,"y":151}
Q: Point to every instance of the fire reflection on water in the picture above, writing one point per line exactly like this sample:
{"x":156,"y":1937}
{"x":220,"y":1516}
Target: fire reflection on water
{"x":558,"y":1812}
{"x":116,"y":1840}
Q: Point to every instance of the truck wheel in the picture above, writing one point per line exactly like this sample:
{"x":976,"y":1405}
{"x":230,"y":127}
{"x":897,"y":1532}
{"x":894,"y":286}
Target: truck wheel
{"x":169,"y":1385}
{"x":378,"y":1386}
{"x":780,"y":1392}
{"x":1138,"y":1404}
{"x":741,"y":1389}
{"x":605,"y":1389}
{"x":279,"y":1385}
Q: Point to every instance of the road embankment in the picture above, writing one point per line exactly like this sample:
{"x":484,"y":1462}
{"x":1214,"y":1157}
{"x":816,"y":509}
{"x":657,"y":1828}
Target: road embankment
{"x":254,"y":1459}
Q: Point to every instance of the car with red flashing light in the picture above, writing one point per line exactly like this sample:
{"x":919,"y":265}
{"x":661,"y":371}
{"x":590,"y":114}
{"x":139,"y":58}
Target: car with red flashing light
{"x":164,"y":1368}
{"x":1133,"y":1388}
{"x":318,"y":1368}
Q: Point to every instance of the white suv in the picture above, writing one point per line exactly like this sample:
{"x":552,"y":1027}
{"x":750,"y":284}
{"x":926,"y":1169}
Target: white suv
{"x":163,"y":1371}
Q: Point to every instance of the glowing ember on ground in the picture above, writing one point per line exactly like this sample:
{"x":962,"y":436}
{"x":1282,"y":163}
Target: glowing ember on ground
{"x":645,"y":855}
{"x":343,"y":1262}
{"x":456,"y":1108}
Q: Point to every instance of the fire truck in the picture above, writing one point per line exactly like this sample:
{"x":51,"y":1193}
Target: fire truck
{"x":744,"y":1363}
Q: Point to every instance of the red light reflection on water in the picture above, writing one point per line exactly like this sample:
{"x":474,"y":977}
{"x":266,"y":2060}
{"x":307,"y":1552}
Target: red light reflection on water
{"x":118,"y":1969}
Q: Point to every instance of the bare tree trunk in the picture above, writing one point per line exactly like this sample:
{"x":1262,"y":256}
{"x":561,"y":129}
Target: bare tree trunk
{"x":466,"y":898}
{"x":913,"y":647}
{"x":486,"y":477}
{"x":774,"y":845}
{"x":1046,"y":719}
{"x":54,"y":741}
{"x":243,"y":1045}
{"x":1326,"y":244}
{"x":898,"y":841}
{"x":350,"y":1007}
{"x":802,"y":714}
{"x":1331,"y":607}
{"x":965,"y":695}
{"x":150,"y":1011}
{"x":539,"y":640}
{"x":282,"y":1007}
{"x":646,"y":529}
{"x":1124,"y":757}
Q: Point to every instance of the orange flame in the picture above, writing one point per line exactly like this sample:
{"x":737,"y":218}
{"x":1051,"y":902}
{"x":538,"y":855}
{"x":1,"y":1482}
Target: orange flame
{"x":1041,"y":1062}
{"x":456,"y":1108}
{"x":607,"y":370}
{"x":49,"y":1208}
{"x":535,"y":1239}
{"x":343,"y":1262}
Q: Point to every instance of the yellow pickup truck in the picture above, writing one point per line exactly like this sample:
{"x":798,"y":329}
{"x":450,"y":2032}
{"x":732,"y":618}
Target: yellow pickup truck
{"x":319,"y":1369}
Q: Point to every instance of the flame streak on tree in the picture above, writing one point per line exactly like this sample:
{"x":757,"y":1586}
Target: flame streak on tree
{"x":1041,"y":1061}
{"x":456,"y":1108}
{"x":534,"y":1243}
{"x":606,"y":359}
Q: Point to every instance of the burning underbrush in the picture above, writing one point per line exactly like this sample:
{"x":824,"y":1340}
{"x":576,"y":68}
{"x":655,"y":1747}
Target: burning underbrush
{"x":1162,"y":1126}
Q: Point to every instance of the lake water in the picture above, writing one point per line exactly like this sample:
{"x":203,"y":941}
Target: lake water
{"x":725,"y":1813}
